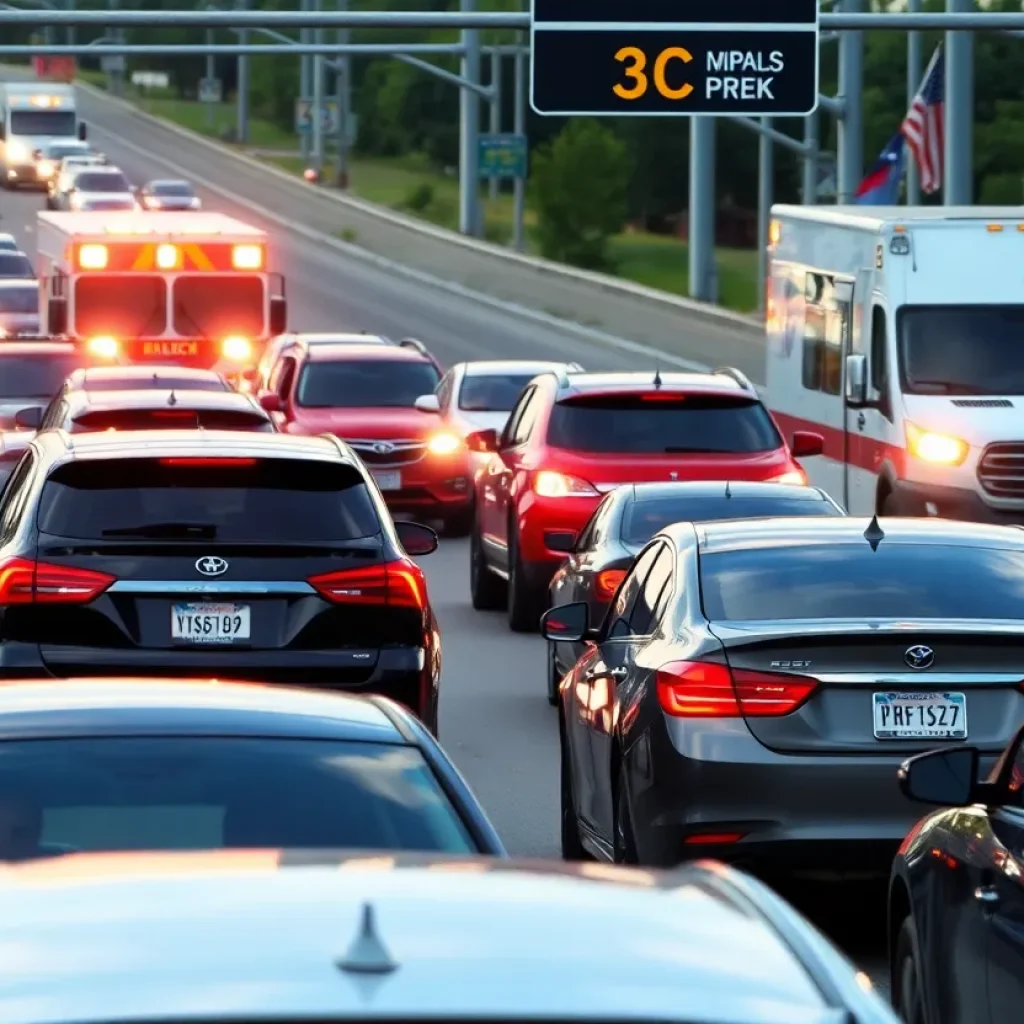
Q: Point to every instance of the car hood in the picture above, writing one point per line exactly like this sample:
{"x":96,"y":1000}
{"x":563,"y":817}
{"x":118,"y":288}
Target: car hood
{"x":367,"y":424}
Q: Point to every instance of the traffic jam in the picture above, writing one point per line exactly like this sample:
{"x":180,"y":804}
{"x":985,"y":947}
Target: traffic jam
{"x":784,"y":634}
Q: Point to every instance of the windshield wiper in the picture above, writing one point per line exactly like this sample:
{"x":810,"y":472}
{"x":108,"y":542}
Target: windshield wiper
{"x":197,"y":531}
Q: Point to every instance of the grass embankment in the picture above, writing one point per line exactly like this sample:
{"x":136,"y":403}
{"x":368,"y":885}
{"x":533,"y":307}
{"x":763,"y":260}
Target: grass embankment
{"x":413,"y":186}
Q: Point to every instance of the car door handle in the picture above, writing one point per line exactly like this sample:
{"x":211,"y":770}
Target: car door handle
{"x":987,"y":895}
{"x":606,"y":673}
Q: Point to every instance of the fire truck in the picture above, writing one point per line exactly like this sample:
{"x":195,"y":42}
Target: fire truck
{"x":191,"y":289}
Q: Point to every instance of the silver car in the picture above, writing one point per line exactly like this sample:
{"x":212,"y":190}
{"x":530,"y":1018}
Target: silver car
{"x":756,"y":684}
{"x":19,"y":308}
{"x":310,"y":936}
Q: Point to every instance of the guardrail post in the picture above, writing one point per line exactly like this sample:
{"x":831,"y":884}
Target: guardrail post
{"x":469,"y":131}
{"x":958,"y":184}
{"x":850,"y":156}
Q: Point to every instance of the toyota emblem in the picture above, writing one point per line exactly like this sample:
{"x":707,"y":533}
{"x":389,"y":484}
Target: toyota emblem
{"x":919,"y":657}
{"x":383,"y":447}
{"x":212,"y":566}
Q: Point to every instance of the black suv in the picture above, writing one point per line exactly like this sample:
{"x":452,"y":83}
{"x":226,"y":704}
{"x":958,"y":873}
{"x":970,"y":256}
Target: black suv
{"x":261,"y":557}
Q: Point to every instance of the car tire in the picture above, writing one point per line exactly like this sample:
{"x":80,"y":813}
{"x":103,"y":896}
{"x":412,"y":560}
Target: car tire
{"x":572,"y":846}
{"x":623,"y":842}
{"x":487,"y":591}
{"x":553,"y":678}
{"x":907,"y":994}
{"x":524,"y":602}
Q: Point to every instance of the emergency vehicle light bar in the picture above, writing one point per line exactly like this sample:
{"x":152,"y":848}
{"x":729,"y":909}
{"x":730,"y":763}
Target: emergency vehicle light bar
{"x":168,"y":256}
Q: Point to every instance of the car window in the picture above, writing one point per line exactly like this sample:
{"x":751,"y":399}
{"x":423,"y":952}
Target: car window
{"x":620,"y":612}
{"x":444,"y":391}
{"x":527,"y":419}
{"x":589,"y":536}
{"x":639,"y":425}
{"x":363,"y":384}
{"x":155,"y":382}
{"x":21,"y":299}
{"x":34,"y":376}
{"x":243,"y":500}
{"x":170,"y":188}
{"x":850,"y":581}
{"x":659,"y":579}
{"x":199,"y":793}
{"x":172,"y":419}
{"x":16,"y":264}
{"x":493,"y":393}
{"x":102,"y":181}
{"x":643,"y":519}
{"x":12,"y":501}
{"x":512,"y":423}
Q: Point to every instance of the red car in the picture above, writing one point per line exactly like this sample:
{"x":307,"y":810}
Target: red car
{"x":366,"y":395}
{"x":572,"y":437}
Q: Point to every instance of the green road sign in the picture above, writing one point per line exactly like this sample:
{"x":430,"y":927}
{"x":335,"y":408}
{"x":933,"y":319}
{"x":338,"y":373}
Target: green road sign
{"x":503,"y":156}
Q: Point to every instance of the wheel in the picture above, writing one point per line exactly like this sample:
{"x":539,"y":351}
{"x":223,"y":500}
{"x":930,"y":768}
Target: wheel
{"x":524,"y":602}
{"x":459,"y":524}
{"x":553,"y":677}
{"x":572,"y":847}
{"x":624,"y":845}
{"x":486,"y":591}
{"x":907,"y":997}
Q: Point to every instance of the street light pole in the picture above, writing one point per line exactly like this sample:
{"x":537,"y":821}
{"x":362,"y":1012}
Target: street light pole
{"x":343,"y":96}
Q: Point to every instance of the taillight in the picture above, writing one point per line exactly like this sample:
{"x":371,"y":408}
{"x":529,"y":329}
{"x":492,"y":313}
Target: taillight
{"x":607,"y":583}
{"x":549,"y":484}
{"x":398,"y":584}
{"x":697,"y":689}
{"x":23,"y":581}
{"x":210,"y":463}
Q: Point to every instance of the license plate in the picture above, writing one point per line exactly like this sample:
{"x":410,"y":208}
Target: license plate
{"x":174,"y":349}
{"x":920,"y":716}
{"x":390,"y":481}
{"x":205,"y":623}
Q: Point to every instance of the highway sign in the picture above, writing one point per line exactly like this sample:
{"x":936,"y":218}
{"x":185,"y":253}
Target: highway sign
{"x":328,"y":117}
{"x":649,"y":58}
{"x":502,"y":156}
{"x":113,"y":64}
{"x":210,"y":90}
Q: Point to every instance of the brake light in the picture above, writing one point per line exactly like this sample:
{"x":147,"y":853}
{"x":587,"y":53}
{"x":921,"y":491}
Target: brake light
{"x":173,"y":414}
{"x":24,"y":581}
{"x":247,"y":257}
{"x":663,"y":396}
{"x":713,"y":838}
{"x":561,"y":485}
{"x":210,"y":463}
{"x":697,"y":689}
{"x":607,"y":583}
{"x":398,"y":584}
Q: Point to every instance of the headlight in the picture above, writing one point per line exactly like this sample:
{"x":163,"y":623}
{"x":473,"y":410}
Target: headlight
{"x":444,"y":444}
{"x":16,"y":151}
{"x":561,"y":485}
{"x":939,"y":449}
{"x":794,"y":476}
{"x":237,"y":349}
{"x":45,"y":168}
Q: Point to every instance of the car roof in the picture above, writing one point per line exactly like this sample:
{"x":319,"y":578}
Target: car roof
{"x":140,"y":372}
{"x":36,"y":348}
{"x":8,"y":237}
{"x":802,"y":531}
{"x":494,"y":367}
{"x":342,"y":353}
{"x":332,"y":338}
{"x":683,"y":489}
{"x":127,"y":706}
{"x":574,"y":384}
{"x":164,"y":182}
{"x":81,"y":400}
{"x":279,"y":935}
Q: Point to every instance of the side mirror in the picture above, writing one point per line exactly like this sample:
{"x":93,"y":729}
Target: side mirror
{"x":805,"y":444}
{"x":82,"y":132}
{"x":28,"y":419}
{"x":57,"y":316}
{"x":856,"y":381}
{"x":270,"y":402}
{"x":278,"y":315}
{"x":482,"y":441}
{"x":416,"y":539}
{"x":946,"y":777}
{"x":568,"y":624}
{"x":560,"y":540}
{"x":427,"y":403}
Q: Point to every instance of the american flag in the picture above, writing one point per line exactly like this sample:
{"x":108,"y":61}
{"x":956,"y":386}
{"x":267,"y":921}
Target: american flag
{"x":923,"y":127}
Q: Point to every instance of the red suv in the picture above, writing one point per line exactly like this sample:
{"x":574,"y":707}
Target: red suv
{"x":366,"y":395}
{"x":572,"y":437}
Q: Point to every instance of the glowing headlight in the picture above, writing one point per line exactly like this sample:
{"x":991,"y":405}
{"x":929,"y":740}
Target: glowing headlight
{"x":45,"y":168}
{"x":444,"y":444}
{"x":104,"y":347}
{"x":794,"y":476}
{"x":16,"y":151}
{"x":940,"y":449}
{"x":237,"y":349}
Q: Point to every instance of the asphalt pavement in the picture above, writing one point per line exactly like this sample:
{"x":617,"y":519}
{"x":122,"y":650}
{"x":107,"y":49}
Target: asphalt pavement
{"x":494,"y":718}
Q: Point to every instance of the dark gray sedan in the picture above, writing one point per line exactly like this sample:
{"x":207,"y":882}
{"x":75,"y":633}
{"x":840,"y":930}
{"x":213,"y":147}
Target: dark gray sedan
{"x":169,"y":195}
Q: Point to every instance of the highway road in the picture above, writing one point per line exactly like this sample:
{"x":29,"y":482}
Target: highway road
{"x":495,"y":720}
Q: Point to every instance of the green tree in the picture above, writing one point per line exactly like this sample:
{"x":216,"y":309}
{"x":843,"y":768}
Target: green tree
{"x":579,"y":186}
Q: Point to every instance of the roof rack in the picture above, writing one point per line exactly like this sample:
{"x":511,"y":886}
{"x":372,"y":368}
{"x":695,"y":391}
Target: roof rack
{"x":416,"y":346}
{"x":741,"y":378}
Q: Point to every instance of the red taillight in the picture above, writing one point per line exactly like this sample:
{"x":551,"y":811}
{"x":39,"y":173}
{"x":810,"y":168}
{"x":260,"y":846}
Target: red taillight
{"x":23,"y":581}
{"x":208,"y":463}
{"x":397,"y":584}
{"x":713,"y":838}
{"x":607,"y":583}
{"x":173,"y":414}
{"x":697,"y":689}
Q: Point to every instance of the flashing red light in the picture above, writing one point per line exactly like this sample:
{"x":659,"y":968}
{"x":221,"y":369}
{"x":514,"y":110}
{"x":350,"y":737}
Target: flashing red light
{"x":697,"y":689}
{"x":607,"y":583}
{"x":398,"y":584}
{"x":208,"y":463}
{"x":24,"y":581}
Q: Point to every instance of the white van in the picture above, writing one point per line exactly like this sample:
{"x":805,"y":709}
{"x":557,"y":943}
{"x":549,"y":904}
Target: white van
{"x":897,"y":333}
{"x":32,"y":116}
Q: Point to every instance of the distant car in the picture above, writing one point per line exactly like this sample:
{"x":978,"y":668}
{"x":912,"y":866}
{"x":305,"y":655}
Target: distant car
{"x":16,"y":265}
{"x":169,"y":195}
{"x":19,"y":308}
{"x":131,"y":764}
{"x":8,"y":243}
{"x":83,"y":411}
{"x":98,"y":188}
{"x":31,"y":372}
{"x":628,"y":517}
{"x":280,"y":936}
{"x":50,"y":157}
{"x":57,"y":187}
{"x":143,"y":377}
{"x":276,"y":346}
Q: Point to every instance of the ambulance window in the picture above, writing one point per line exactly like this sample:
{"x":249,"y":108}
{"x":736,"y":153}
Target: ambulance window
{"x":879,"y":367}
{"x":825,"y":323}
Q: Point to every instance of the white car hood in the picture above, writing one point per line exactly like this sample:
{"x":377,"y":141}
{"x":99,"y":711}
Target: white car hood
{"x":977,"y":420}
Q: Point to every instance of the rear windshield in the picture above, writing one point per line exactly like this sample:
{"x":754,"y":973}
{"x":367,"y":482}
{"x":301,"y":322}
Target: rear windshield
{"x":365,"y":384}
{"x":15,"y":264}
{"x":850,"y":581}
{"x":218,"y":306}
{"x":643,"y":519}
{"x":172,"y":419}
{"x":492,"y":394}
{"x":102,"y":181}
{"x":122,"y":305}
{"x":171,"y":188}
{"x":156,"y":382}
{"x":19,"y":299}
{"x":38,"y":376}
{"x":185,"y":793}
{"x":639,"y":425}
{"x":210,"y":500}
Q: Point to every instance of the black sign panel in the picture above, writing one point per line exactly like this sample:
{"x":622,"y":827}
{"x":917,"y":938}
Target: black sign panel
{"x":724,"y":60}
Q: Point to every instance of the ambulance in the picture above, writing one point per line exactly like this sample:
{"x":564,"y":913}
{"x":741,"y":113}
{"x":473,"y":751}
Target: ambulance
{"x":32,"y":116}
{"x":135,"y":287}
{"x":897,"y":334}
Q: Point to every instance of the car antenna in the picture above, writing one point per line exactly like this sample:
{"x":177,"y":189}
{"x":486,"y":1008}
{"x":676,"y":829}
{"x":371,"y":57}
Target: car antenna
{"x":172,"y":399}
{"x":873,"y":534}
{"x":657,"y":376}
{"x":728,"y":489}
{"x":367,"y":954}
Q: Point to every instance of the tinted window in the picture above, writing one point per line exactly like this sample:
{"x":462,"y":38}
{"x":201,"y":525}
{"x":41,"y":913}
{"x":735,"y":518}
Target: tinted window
{"x":102,"y":181}
{"x":850,"y":581}
{"x":492,"y":394}
{"x":15,"y":264}
{"x":19,"y":300}
{"x":172,"y":419}
{"x":122,"y":305}
{"x":171,"y":188}
{"x":179,"y":793}
{"x":638,"y":426}
{"x":643,"y":519}
{"x":353,"y":385}
{"x":8,"y":245}
{"x":217,"y":307}
{"x":38,"y":376}
{"x":60,"y":150}
{"x":258,"y":502}
{"x":43,"y":122}
{"x":119,"y":203}
{"x":155,"y":382}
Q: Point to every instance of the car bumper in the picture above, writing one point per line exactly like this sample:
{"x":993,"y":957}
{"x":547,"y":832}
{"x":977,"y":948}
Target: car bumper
{"x":914,"y":499}
{"x":539,"y":518}
{"x":430,"y":494}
